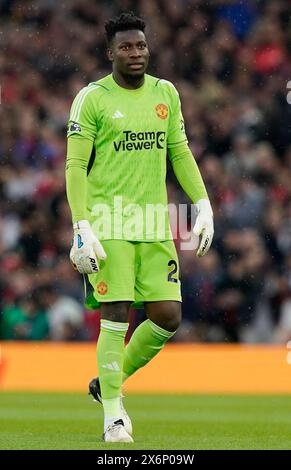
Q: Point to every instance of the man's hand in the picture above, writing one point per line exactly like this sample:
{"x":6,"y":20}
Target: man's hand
{"x":204,"y":226}
{"x":86,"y":249}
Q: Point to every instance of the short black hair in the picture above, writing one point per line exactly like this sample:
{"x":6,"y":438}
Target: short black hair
{"x":123,"y":22}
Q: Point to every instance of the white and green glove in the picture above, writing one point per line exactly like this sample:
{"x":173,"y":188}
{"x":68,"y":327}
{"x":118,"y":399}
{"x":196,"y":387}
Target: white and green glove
{"x":86,"y":249}
{"x":204,"y":226}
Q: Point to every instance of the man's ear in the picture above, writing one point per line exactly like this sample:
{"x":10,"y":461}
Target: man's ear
{"x":110,"y":54}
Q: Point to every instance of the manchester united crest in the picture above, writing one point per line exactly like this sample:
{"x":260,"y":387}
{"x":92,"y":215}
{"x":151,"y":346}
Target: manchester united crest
{"x":102,"y":288}
{"x":162,"y":111}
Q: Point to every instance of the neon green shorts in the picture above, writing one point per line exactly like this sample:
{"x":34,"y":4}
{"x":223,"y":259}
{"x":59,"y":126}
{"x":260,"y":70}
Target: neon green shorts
{"x":136,"y":272}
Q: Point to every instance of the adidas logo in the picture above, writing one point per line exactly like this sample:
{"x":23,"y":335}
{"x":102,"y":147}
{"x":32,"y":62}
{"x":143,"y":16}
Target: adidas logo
{"x":117,"y":115}
{"x":112,"y":366}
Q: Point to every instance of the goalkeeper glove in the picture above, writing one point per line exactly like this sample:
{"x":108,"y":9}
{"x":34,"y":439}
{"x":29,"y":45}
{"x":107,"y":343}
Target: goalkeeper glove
{"x":204,"y":226}
{"x":86,"y":249}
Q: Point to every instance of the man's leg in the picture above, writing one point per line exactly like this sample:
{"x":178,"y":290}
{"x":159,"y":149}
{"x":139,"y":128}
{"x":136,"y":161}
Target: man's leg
{"x":158,"y":287}
{"x":151,"y":336}
{"x":110,"y":355}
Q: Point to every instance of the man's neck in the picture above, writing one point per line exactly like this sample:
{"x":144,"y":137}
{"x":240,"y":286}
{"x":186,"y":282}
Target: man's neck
{"x":130,"y":83}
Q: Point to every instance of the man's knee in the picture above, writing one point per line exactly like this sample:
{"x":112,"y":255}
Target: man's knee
{"x":167,"y":315}
{"x":172,"y":319}
{"x":115,"y":311}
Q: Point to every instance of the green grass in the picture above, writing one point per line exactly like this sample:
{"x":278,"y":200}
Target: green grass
{"x":73,"y":421}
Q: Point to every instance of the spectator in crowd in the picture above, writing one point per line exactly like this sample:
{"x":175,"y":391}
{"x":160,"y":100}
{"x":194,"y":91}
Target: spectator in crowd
{"x":65,"y":315}
{"x":25,"y":320}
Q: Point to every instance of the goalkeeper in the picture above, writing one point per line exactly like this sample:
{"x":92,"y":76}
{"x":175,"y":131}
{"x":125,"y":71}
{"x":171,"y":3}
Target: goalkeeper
{"x":121,"y":129}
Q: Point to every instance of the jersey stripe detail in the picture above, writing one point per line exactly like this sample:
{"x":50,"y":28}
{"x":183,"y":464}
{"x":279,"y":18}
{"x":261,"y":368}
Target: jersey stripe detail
{"x":77,"y":108}
{"x":102,"y":86}
{"x":81,"y":101}
{"x":162,"y":81}
{"x":77,"y":100}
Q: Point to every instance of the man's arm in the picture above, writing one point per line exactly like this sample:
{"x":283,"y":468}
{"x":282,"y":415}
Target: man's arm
{"x":187,"y":172}
{"x":82,"y":129}
{"x":78,"y":154}
{"x":189,"y":177}
{"x":86,"y":249}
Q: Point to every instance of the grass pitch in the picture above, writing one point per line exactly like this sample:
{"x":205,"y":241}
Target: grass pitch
{"x":73,"y":421}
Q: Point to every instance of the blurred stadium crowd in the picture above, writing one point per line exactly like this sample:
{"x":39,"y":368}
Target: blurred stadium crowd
{"x":231,"y":62}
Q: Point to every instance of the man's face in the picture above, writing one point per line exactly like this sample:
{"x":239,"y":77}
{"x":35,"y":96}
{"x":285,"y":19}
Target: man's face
{"x":129,"y":53}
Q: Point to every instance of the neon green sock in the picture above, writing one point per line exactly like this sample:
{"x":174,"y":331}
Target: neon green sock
{"x":147,"y":340}
{"x":110,"y":355}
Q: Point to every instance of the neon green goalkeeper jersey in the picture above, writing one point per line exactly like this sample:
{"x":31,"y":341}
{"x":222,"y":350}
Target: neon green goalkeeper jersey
{"x":131,"y":131}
